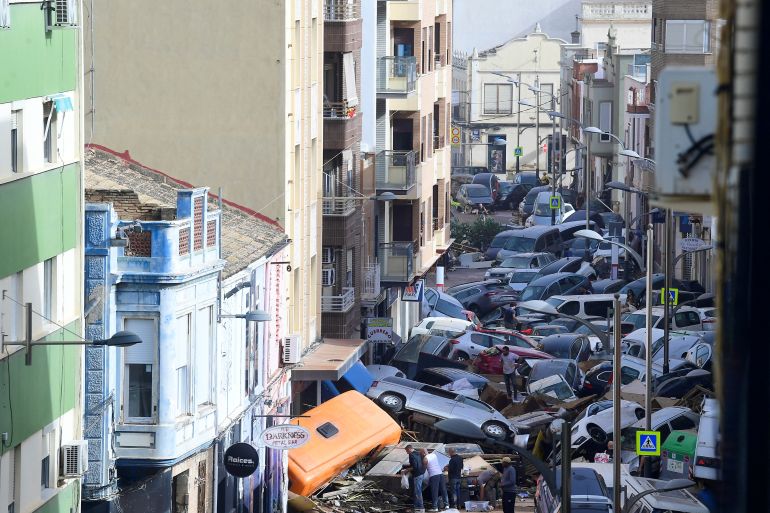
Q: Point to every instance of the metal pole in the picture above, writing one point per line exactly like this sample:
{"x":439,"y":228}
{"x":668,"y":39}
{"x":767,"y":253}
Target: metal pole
{"x":537,"y":133}
{"x":648,"y":347}
{"x":587,"y":187}
{"x":616,"y":485}
{"x":566,"y":467}
{"x":518,"y":124}
{"x":28,"y":339}
{"x":667,"y":273}
{"x":553,"y":168}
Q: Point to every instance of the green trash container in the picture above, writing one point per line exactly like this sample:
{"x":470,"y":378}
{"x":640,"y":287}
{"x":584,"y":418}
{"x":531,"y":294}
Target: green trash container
{"x":678,"y":455}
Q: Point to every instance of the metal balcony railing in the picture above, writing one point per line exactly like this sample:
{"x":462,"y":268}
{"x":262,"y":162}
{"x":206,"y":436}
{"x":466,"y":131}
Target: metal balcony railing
{"x":396,"y":74}
{"x":371,"y":292}
{"x":341,"y":10}
{"x":339,"y":110}
{"x":395,"y":170}
{"x":397,"y":261}
{"x":339,"y":206}
{"x":341,"y":303}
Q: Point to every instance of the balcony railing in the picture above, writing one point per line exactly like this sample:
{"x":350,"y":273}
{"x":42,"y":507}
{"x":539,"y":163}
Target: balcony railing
{"x":397,"y":261}
{"x":438,"y":142}
{"x":638,"y":71}
{"x":341,"y":303}
{"x":340,"y":206}
{"x":339,"y":110}
{"x":371,"y":279}
{"x":395,"y":170}
{"x":341,"y":10}
{"x":437,"y":224}
{"x":396,"y":74}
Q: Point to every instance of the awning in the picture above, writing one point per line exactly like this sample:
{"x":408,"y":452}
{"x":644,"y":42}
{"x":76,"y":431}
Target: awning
{"x":330,"y":360}
{"x":62,"y":102}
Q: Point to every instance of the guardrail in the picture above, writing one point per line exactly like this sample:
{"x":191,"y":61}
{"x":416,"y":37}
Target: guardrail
{"x":339,"y":304}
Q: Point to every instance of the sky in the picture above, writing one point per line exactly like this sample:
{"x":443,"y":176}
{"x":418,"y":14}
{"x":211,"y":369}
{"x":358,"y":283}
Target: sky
{"x":483,"y":24}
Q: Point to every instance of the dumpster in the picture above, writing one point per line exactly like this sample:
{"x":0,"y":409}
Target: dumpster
{"x":677,"y":455}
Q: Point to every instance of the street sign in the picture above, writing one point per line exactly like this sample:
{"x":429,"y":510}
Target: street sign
{"x":379,"y":329}
{"x":475,"y":135}
{"x":673,"y":296}
{"x":285,"y":437}
{"x":518,"y":151}
{"x":691,"y":244}
{"x":648,"y":443}
{"x":659,"y":217}
{"x":413,"y":292}
{"x":455,"y":136}
{"x":555,"y":202}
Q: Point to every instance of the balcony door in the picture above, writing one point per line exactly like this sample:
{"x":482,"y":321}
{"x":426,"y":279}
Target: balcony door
{"x":402,"y":223}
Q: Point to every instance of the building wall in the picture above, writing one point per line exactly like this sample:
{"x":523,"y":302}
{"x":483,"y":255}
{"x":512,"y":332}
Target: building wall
{"x":200,"y":93}
{"x":40,"y":261}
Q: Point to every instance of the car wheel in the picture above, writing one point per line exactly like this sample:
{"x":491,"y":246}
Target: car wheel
{"x":495,"y":430}
{"x":596,"y":433}
{"x":392,"y":402}
{"x":462,"y":356}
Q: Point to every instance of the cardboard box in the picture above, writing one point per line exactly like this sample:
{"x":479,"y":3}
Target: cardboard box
{"x":494,"y":397}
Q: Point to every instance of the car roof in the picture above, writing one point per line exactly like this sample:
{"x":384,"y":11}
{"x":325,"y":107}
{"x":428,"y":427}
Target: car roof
{"x":554,"y":363}
{"x":561,"y":262}
{"x":595,"y":297}
{"x":527,"y":255}
{"x":475,"y":186}
{"x":463,"y":286}
{"x":450,"y":371}
{"x":662,"y":415}
{"x":585,"y":481}
{"x":536,"y":231}
{"x":550,"y":278}
{"x":558,"y":339}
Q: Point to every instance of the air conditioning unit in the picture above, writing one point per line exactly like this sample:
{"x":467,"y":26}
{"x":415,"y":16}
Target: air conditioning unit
{"x":327,"y":255}
{"x":327,"y":277}
{"x":292,"y":349}
{"x":74,"y":459}
{"x":66,"y":13}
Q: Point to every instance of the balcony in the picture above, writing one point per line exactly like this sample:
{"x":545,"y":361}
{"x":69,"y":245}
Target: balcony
{"x":398,"y":261}
{"x":637,"y":72}
{"x":339,"y":304}
{"x":395,"y":171}
{"x":341,"y":10}
{"x":396,"y":75}
{"x":371,"y":292}
{"x":339,"y":206}
{"x":342,"y":125}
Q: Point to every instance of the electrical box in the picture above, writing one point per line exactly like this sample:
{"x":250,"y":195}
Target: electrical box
{"x":685,"y":127}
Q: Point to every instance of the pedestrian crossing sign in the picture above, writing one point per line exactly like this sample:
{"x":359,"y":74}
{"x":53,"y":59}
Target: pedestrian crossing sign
{"x":555,"y":202}
{"x":673,"y":296}
{"x":648,"y":443}
{"x":518,"y":151}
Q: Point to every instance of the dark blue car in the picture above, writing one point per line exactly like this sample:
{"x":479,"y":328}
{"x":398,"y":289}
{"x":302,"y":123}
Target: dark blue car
{"x":556,"y":284}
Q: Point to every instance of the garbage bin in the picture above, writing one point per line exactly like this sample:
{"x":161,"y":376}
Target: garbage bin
{"x":678,"y":455}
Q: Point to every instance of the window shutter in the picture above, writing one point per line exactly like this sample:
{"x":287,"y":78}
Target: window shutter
{"x":5,"y":14}
{"x":145,"y":351}
{"x":349,"y":69}
{"x":490,"y":99}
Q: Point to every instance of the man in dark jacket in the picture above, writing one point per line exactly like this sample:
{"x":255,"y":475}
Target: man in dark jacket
{"x":417,"y":469}
{"x":455,"y":471}
{"x":508,"y":484}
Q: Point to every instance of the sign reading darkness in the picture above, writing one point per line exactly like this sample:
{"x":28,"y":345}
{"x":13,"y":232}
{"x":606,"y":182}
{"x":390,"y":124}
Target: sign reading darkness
{"x":241,"y":460}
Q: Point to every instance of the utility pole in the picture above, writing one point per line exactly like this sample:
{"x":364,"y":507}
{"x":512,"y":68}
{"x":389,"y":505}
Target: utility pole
{"x":537,"y":129}
{"x":648,"y":346}
{"x":518,"y":122}
{"x":616,"y":483}
{"x":553,"y":168}
{"x":667,"y":261}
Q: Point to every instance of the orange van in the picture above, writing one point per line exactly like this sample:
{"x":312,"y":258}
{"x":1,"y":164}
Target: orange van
{"x":343,"y":430}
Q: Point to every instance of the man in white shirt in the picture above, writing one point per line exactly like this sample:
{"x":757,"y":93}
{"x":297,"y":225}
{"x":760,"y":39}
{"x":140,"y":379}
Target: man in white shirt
{"x":509,"y":370}
{"x":436,"y":481}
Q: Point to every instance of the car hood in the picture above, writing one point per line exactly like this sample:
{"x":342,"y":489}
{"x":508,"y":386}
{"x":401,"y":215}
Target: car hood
{"x":530,"y":353}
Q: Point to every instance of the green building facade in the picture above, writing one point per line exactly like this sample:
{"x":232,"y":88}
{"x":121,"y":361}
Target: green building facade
{"x":41,"y":212}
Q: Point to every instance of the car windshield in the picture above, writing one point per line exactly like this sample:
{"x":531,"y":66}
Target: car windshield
{"x":547,"y":369}
{"x":477,"y":192}
{"x":542,"y":209}
{"x":505,"y":187}
{"x":532,"y":293}
{"x":447,"y":308}
{"x":555,"y":302}
{"x":560,"y":390}
{"x":585,"y":330}
{"x":498,"y":241}
{"x":639,"y":320}
{"x":520,"y":244}
{"x":517,"y":262}
{"x":606,"y":245}
{"x":522,"y":277}
{"x":559,"y":350}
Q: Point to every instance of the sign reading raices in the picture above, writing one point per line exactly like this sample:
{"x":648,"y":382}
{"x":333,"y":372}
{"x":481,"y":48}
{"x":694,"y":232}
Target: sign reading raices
{"x":285,"y":436}
{"x":241,"y":460}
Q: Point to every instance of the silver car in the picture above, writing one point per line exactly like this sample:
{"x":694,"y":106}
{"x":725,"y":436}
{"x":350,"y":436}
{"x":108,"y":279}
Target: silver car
{"x":399,"y":394}
{"x":468,"y":344}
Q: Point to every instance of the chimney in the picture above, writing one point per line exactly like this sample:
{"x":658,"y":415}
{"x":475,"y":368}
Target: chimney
{"x":576,"y":33}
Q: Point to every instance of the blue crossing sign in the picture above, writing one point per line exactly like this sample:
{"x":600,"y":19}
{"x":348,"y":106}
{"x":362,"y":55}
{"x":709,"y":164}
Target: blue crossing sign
{"x":648,"y":443}
{"x":673,"y":296}
{"x":555,"y":202}
{"x":518,"y":151}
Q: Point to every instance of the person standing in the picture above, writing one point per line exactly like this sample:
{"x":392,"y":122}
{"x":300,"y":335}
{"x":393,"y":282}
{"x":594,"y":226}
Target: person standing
{"x":436,"y":481}
{"x":509,"y":371}
{"x":417,"y":469}
{"x":508,"y":484}
{"x":454,"y":471}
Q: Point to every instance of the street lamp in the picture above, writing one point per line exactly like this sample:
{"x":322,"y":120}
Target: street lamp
{"x":668,"y":486}
{"x":119,"y":339}
{"x":250,"y":316}
{"x":590,"y":234}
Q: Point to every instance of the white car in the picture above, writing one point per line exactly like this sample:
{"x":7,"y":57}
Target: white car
{"x":595,"y":425}
{"x":708,"y":317}
{"x":441,"y":304}
{"x":665,"y":420}
{"x":444,"y":326}
{"x":541,"y":211}
{"x":685,"y":318}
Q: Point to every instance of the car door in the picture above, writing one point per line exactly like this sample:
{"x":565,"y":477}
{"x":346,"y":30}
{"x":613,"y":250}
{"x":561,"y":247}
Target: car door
{"x":481,"y":341}
{"x":470,"y":409}
{"x":434,"y":401}
{"x":700,"y":354}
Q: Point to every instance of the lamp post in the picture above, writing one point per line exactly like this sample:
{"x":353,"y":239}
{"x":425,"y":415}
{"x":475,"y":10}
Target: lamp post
{"x":119,"y":339}
{"x":668,"y":486}
{"x":250,"y":316}
{"x":627,"y":189}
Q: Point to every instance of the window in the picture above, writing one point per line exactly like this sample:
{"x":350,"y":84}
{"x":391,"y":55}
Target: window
{"x":597,"y":308}
{"x":182,"y":360}
{"x":48,"y":455}
{"x":16,"y":164}
{"x":627,"y":375}
{"x":139,"y":391}
{"x":687,"y":36}
{"x":482,"y":340}
{"x":203,"y":355}
{"x":570,"y":308}
{"x":682,"y":423}
{"x":605,"y":121}
{"x":49,"y":287}
{"x":547,"y":99}
{"x":49,"y":132}
{"x":498,"y":98}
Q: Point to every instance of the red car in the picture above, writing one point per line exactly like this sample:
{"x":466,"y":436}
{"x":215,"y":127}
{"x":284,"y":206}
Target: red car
{"x":489,"y":362}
